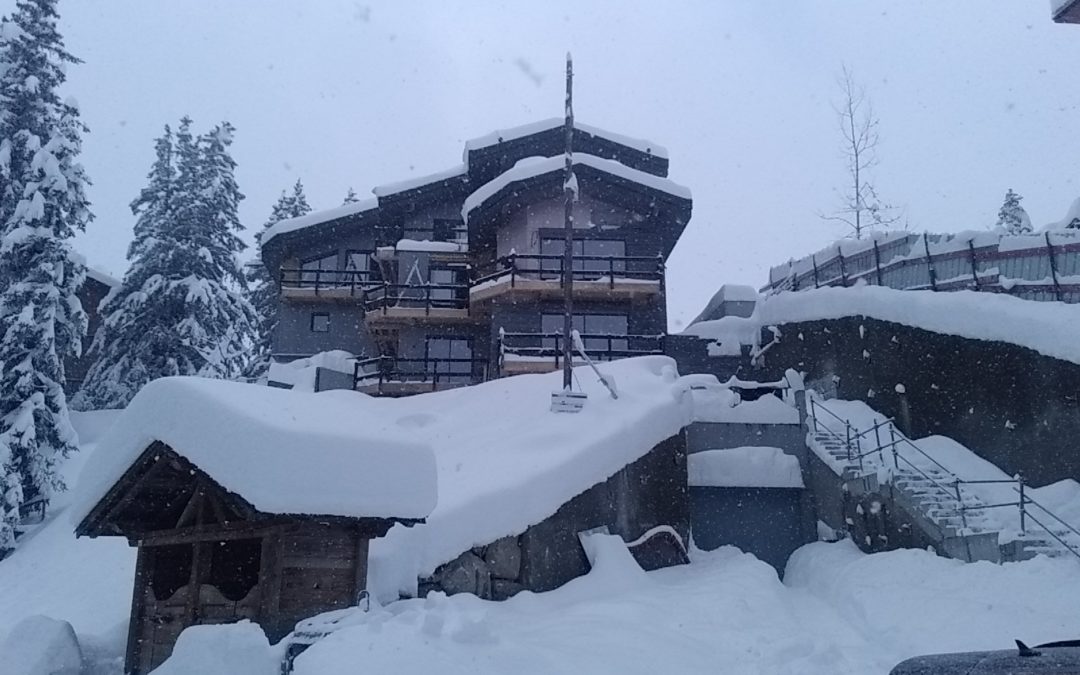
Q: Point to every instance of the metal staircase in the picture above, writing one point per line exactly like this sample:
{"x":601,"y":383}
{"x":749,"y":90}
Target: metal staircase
{"x":880,"y":459}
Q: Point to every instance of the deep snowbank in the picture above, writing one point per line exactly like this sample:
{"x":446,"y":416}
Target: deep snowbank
{"x":840,"y":612}
{"x":1046,"y":327}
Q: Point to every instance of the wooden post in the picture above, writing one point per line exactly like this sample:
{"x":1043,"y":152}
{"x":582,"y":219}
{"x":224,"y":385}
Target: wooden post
{"x":974,"y":268}
{"x":930,"y":263}
{"x":813,"y":259}
{"x":877,"y":263}
{"x":1053,"y":267}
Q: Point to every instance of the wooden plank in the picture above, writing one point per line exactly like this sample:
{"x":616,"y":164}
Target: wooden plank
{"x":136,"y":620}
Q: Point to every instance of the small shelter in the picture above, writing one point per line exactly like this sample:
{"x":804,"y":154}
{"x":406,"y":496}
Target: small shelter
{"x":245,"y":502}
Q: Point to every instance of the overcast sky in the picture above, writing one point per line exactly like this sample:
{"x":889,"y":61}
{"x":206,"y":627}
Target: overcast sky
{"x":974,"y":97}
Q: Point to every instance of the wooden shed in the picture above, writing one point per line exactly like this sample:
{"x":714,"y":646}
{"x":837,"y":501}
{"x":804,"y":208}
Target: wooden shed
{"x":252,"y":503}
{"x":207,"y":556}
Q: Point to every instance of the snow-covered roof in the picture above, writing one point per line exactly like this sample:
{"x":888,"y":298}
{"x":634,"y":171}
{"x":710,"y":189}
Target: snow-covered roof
{"x":503,"y":135}
{"x":506,"y":462}
{"x":1049,"y":328}
{"x":420,"y":181}
{"x":428,"y":246}
{"x":318,"y":217}
{"x":530,"y":167}
{"x":284,"y":452}
{"x":101,"y":276}
{"x":1072,"y":214}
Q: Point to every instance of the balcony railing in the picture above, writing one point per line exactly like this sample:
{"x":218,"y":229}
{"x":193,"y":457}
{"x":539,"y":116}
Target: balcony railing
{"x":425,"y":297}
{"x":392,"y":375}
{"x":540,"y":267}
{"x":349,"y":282}
{"x":539,"y":350}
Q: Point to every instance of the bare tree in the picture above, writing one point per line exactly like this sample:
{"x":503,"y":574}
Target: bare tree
{"x":860,"y":207}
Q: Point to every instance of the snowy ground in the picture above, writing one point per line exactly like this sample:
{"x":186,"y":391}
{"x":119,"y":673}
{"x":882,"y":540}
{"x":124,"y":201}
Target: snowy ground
{"x":838,"y":611}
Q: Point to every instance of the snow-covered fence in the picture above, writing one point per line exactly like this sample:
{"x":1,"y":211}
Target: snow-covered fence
{"x":1043,"y":266}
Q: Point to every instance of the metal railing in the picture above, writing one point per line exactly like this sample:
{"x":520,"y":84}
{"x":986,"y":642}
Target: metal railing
{"x":544,"y":267}
{"x":419,"y":296}
{"x":355,"y":281}
{"x":544,"y":346}
{"x":851,"y":440}
{"x":439,"y":373}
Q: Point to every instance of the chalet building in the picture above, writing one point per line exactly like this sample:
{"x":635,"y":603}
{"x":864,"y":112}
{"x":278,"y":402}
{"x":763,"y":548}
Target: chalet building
{"x":1067,"y":11}
{"x":93,"y":291}
{"x":236,"y":517}
{"x":455,"y":278}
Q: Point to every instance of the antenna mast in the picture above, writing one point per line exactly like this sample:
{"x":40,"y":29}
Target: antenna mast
{"x":568,"y":246}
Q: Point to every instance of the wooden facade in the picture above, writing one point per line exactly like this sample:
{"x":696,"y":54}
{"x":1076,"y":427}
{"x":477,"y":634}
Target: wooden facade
{"x":206,"y":556}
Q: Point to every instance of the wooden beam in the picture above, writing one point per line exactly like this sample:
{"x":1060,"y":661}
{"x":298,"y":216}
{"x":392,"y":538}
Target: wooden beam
{"x":125,"y":492}
{"x":188,"y":515}
{"x":189,"y":535}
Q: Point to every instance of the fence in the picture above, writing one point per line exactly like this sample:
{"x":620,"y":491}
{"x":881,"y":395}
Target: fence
{"x":1044,"y":266}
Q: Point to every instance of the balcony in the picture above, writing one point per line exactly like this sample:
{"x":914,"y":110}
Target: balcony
{"x":594,"y":277}
{"x":308,"y":284}
{"x":401,"y":303}
{"x":543,"y":352}
{"x":392,"y":376}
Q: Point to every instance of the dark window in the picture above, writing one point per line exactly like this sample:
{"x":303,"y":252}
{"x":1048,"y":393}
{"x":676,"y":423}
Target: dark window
{"x":615,"y":248}
{"x":447,"y":229}
{"x":451,"y":283}
{"x":234,"y":566}
{"x":320,"y":323}
{"x":319,"y":270}
{"x":450,"y":358}
{"x":608,"y":325}
{"x":170,"y":569}
{"x":364,"y":264}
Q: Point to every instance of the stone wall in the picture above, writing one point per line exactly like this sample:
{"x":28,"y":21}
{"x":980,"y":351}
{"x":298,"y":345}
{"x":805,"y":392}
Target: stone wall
{"x":1011,"y":405}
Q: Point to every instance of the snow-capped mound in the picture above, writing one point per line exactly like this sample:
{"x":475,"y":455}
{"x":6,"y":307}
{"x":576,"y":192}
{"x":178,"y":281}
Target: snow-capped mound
{"x":282,"y":451}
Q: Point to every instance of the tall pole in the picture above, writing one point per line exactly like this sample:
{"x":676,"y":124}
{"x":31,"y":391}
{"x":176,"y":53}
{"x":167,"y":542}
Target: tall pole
{"x":568,"y":246}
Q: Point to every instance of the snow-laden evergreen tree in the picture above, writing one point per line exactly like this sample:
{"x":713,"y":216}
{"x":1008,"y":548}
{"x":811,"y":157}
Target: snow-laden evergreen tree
{"x":263,"y":289}
{"x":181,"y":308}
{"x":350,"y":197}
{"x":42,"y":205}
{"x":1012,"y":217}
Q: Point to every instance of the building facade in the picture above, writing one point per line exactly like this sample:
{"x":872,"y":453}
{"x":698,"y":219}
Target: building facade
{"x":455,"y":278}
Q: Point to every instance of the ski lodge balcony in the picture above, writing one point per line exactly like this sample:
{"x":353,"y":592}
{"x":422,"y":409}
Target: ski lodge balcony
{"x":543,"y":352}
{"x":392,"y":376}
{"x":533,"y":276}
{"x":318,"y":284}
{"x":400,"y":303}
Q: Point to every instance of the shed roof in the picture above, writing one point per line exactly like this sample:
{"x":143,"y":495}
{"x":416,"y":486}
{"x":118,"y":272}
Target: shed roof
{"x":283,"y":452}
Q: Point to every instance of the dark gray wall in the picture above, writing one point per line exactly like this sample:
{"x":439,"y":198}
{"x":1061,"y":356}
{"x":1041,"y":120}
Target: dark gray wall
{"x":691,"y":355}
{"x":1013,"y":406}
{"x":347,"y":329}
{"x":768,"y":522}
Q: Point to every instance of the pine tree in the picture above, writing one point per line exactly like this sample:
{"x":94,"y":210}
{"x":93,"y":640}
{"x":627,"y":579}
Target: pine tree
{"x":263,"y":289}
{"x":181,"y":308}
{"x":42,"y":205}
{"x":350,"y":197}
{"x":1012,"y":217}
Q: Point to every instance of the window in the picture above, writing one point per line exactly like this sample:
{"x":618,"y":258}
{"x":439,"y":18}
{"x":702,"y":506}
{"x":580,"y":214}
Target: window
{"x":364,"y":265}
{"x":615,"y":248}
{"x":452,"y":283}
{"x":448,"y":229}
{"x":320,"y":323}
{"x":609,"y":326}
{"x":450,"y":358}
{"x":319,"y":270}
